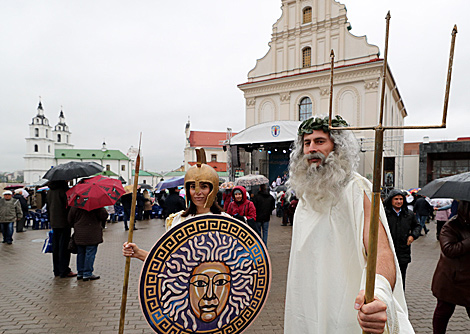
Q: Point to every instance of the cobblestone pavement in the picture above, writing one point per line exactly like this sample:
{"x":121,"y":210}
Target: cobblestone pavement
{"x":33,"y":301}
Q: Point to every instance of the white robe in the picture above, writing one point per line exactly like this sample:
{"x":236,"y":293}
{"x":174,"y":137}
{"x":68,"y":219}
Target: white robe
{"x":327,"y":268}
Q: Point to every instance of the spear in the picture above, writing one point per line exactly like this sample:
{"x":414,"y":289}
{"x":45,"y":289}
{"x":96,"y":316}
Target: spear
{"x":378,"y":154}
{"x":129,"y":239}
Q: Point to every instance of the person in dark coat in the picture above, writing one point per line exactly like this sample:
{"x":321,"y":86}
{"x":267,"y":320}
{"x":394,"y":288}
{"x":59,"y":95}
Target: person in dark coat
{"x":140,"y":205}
{"x":264,"y":204}
{"x":404,"y":228}
{"x":57,"y":209}
{"x":451,"y":280}
{"x":24,"y":208}
{"x":88,"y":234}
{"x":173,"y":203}
{"x":126,"y":201}
{"x":423,"y":209}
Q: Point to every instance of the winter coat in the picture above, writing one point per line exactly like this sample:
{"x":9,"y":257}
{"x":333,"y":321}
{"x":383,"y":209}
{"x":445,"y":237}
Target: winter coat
{"x":10,"y":211}
{"x":173,"y":203}
{"x":243,"y":208}
{"x":422,"y":207}
{"x":23,"y":203}
{"x":147,"y":201}
{"x":451,"y":280}
{"x":87,"y":226}
{"x":57,"y":207}
{"x":264,"y":204}
{"x":401,"y":227}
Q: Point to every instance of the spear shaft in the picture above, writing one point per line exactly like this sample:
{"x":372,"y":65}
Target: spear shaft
{"x":129,"y":239}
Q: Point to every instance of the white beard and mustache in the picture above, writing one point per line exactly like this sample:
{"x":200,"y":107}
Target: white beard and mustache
{"x":320,"y":185}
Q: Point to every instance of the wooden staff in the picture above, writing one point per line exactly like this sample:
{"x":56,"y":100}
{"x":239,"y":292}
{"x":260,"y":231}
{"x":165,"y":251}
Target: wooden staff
{"x":378,"y":155}
{"x":129,"y":239}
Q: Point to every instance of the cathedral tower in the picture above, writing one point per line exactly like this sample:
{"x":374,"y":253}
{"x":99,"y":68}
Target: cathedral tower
{"x":61,"y":133}
{"x":39,"y":147}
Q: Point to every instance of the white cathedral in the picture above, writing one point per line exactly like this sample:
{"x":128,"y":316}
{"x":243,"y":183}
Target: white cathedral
{"x":47,"y":147}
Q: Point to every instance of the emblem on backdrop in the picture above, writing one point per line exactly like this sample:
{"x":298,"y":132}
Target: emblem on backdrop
{"x":275,"y":130}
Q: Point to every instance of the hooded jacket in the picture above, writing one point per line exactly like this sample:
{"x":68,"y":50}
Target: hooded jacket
{"x":401,"y":227}
{"x":244,"y":208}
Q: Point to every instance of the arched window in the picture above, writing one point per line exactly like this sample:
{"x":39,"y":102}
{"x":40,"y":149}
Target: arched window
{"x":36,"y":132}
{"x":48,"y":148}
{"x":47,"y":133}
{"x":307,"y":15}
{"x":305,"y":109}
{"x":36,"y":148}
{"x":58,"y":138}
{"x":67,"y":137}
{"x":307,"y":57}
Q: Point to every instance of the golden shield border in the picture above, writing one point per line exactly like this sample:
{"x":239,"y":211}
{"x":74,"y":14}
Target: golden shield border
{"x":155,"y":267}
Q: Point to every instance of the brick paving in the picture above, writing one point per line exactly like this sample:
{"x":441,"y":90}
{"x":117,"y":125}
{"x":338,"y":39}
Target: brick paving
{"x":33,"y":301}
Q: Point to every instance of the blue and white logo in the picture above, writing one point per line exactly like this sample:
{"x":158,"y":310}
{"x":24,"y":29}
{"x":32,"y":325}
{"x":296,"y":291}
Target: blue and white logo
{"x":275,"y":130}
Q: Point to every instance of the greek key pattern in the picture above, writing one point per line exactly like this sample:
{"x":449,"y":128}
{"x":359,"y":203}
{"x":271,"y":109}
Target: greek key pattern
{"x":164,"y":285}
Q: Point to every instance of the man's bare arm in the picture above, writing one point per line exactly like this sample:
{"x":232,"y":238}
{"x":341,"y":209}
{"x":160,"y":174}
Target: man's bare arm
{"x":385,"y":258}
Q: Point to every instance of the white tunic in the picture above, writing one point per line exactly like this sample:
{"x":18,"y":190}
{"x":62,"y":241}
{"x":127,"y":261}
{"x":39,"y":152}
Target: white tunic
{"x":327,"y":268}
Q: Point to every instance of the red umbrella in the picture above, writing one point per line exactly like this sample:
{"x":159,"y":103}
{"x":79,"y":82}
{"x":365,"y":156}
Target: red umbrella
{"x":95,"y":192}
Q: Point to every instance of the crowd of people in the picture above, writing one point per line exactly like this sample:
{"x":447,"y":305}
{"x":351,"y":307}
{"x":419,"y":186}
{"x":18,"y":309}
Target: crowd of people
{"x":328,"y":204}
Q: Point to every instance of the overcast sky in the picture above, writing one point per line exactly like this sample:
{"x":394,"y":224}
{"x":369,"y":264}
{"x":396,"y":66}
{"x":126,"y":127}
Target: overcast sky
{"x":119,"y":67}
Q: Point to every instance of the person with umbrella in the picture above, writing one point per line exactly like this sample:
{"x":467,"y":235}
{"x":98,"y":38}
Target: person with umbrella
{"x":58,"y":209}
{"x":451,"y":280}
{"x":87,"y":200}
{"x":88,"y":234}
{"x":202,"y":184}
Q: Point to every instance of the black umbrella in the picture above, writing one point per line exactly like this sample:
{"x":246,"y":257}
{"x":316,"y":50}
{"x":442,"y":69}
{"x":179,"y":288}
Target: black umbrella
{"x":455,"y":186}
{"x":72,"y":170}
{"x":145,"y":186}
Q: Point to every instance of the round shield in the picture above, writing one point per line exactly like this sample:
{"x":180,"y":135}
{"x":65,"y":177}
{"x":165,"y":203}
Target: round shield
{"x":208,"y":274}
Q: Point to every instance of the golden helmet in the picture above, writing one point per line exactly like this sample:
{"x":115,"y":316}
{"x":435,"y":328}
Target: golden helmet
{"x":202,"y":172}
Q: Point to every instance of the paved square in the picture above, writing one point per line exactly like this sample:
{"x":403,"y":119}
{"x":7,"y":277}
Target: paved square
{"x":33,"y":301}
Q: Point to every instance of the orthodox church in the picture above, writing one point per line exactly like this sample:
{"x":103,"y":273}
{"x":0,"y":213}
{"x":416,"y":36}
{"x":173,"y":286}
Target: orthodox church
{"x":49,"y":146}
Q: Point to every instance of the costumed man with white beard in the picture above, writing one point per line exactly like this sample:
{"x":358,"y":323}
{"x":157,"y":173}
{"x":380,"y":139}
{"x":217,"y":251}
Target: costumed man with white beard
{"x":326,"y":277}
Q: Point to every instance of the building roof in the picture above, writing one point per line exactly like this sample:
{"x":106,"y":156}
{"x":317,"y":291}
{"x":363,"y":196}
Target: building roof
{"x":207,"y":139}
{"x":90,"y":154}
{"x":145,"y":173}
{"x":218,"y":166}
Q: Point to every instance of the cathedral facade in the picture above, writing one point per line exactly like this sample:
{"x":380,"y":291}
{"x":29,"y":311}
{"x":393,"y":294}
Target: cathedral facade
{"x":49,"y":146}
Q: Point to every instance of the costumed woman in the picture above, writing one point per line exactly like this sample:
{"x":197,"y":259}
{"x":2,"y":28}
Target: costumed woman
{"x":201,"y":183}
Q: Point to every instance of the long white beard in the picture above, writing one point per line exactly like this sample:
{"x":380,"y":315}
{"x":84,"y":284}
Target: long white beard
{"x":320,"y":185}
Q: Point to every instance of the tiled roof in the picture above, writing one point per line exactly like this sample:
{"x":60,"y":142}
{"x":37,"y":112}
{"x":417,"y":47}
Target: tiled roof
{"x":90,"y":154}
{"x":207,"y":139}
{"x":218,"y":166}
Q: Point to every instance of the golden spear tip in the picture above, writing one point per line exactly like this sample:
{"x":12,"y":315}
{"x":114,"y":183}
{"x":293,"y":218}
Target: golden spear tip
{"x":388,"y":16}
{"x":332,"y":54}
{"x":454,"y":31}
